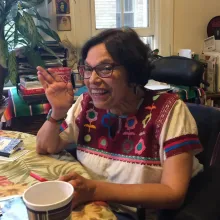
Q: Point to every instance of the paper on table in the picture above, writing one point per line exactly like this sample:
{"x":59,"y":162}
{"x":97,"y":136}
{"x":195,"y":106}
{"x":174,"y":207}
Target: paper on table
{"x":9,"y":197}
{"x":13,"y":208}
{"x":14,"y":156}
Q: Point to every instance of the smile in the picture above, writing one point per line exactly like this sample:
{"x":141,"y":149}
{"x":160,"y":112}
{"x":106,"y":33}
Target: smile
{"x":99,"y":91}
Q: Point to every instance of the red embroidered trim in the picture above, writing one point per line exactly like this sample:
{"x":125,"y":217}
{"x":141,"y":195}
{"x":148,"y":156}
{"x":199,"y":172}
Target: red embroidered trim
{"x":63,"y":126}
{"x":119,"y":157}
{"x":179,"y":139}
{"x":184,"y":149}
{"x":163,"y":114}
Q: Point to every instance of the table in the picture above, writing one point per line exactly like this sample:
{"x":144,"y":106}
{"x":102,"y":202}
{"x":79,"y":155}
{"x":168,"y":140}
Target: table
{"x":14,"y":176}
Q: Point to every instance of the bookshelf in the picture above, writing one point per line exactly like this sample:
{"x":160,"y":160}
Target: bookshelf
{"x":213,"y":95}
{"x":27,"y":73}
{"x":31,"y":121}
{"x":213,"y":99}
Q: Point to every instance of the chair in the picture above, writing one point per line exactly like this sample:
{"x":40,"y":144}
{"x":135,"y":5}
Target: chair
{"x":202,"y":201}
{"x":203,"y":198}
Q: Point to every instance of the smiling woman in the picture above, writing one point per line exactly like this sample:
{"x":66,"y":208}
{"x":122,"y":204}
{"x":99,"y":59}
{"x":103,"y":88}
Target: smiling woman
{"x":125,"y":134}
{"x":119,"y":67}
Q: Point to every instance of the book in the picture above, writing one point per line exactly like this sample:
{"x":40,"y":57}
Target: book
{"x":34,"y":98}
{"x":30,"y":81}
{"x":31,"y":91}
{"x":29,"y":78}
{"x":9,"y":146}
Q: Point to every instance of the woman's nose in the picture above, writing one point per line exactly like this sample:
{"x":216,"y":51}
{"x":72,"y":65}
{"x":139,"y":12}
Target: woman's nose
{"x":94,"y":78}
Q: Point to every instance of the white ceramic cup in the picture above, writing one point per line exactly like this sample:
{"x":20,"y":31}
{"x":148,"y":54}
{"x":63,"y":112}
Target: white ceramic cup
{"x":51,"y":200}
{"x":185,"y":53}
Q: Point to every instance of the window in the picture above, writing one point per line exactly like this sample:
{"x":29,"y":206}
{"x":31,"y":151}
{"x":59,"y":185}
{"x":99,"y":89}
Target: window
{"x":89,"y":17}
{"x":137,"y":14}
{"x":128,"y":13}
{"x":119,"y":13}
{"x":148,"y":40}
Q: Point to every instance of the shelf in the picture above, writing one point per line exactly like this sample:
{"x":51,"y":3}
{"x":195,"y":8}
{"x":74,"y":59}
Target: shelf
{"x":213,"y":95}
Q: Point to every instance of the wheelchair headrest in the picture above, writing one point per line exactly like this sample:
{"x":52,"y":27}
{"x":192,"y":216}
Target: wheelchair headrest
{"x":177,"y":70}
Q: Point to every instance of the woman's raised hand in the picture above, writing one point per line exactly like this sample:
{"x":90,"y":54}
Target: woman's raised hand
{"x":59,"y":94}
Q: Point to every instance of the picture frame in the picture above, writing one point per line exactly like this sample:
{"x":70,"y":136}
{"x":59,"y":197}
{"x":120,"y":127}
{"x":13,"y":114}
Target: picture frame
{"x":62,"y":7}
{"x":64,"y":23}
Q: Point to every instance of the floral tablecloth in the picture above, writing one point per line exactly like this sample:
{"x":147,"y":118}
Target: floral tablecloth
{"x":15,"y":178}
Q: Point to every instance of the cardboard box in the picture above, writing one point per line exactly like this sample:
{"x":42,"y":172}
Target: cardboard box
{"x":213,"y":71}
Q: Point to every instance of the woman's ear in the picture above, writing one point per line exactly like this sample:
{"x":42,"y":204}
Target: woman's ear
{"x":135,"y":88}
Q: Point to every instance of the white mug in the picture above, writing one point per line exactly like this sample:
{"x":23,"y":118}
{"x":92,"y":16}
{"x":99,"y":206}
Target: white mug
{"x":51,"y":200}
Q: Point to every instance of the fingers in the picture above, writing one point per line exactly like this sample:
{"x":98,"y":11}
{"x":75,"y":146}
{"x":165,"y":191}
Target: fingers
{"x":75,"y":183}
{"x":101,"y":203}
{"x":47,"y":79}
{"x":42,"y":81}
{"x":46,"y":75}
{"x":41,"y":151}
{"x":70,"y":176}
{"x":54,"y":75}
{"x":70,"y":89}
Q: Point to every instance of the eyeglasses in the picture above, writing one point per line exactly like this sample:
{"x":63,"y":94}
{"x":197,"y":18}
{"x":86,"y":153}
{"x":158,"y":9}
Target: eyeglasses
{"x":103,"y":70}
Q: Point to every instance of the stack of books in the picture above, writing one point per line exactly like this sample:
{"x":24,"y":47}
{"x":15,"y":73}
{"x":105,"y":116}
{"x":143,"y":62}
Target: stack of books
{"x":29,"y":87}
{"x":31,"y":90}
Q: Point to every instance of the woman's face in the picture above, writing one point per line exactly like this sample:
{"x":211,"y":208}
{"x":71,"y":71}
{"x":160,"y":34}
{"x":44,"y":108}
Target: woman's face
{"x":106,"y":93}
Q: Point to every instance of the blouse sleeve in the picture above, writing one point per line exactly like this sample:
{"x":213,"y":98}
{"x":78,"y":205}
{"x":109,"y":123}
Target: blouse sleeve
{"x":179,"y":133}
{"x":69,"y":131}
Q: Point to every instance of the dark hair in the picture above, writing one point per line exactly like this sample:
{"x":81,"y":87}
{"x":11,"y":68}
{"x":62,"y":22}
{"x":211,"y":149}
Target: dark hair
{"x":127,"y":49}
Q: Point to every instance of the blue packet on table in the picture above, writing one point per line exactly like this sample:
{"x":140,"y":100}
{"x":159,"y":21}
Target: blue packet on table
{"x":13,"y":208}
{"x":9,"y":145}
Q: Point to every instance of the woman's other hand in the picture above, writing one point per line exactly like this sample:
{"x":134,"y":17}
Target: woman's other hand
{"x":59,"y":94}
{"x":84,"y":189}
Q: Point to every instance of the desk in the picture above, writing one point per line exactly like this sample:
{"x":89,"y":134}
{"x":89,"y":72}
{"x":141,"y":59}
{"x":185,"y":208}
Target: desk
{"x":14,"y":176}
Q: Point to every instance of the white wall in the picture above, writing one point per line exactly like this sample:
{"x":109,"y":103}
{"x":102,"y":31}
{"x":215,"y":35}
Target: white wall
{"x":191,"y":18}
{"x":53,"y":24}
{"x":164,"y":31}
{"x":186,"y":29}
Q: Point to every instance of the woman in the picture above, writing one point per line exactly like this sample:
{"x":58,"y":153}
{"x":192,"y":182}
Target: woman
{"x":138,"y":145}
